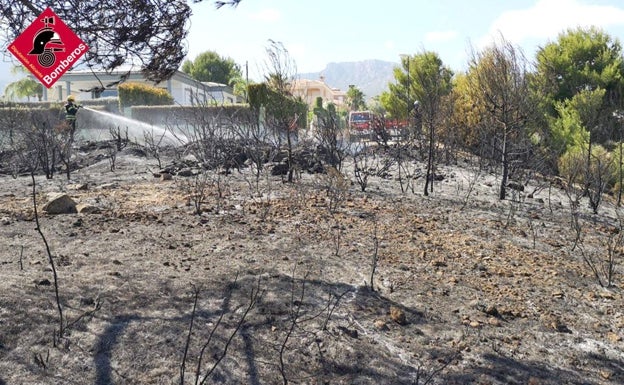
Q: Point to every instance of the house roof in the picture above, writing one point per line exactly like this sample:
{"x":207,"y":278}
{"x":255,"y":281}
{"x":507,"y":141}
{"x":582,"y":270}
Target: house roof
{"x":112,"y":78}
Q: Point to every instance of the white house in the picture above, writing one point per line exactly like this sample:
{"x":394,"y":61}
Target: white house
{"x":186,"y":91}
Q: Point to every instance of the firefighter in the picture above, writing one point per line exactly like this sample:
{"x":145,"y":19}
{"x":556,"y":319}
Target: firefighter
{"x":71,"y":108}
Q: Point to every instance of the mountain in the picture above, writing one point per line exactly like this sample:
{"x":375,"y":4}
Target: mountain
{"x":370,"y":76}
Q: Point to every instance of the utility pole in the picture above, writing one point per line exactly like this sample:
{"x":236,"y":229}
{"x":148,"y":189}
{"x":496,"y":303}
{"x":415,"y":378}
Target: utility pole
{"x":246,"y":81}
{"x":406,"y":64}
{"x":406,"y":57}
{"x":407,"y":101}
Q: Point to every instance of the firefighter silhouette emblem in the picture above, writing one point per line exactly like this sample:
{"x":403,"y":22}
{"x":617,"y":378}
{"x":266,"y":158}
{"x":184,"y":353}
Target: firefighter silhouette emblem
{"x":46,"y":42}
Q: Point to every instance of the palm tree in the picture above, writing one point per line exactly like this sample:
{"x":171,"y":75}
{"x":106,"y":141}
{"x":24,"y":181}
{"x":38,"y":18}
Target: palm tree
{"x":239,"y":85}
{"x":23,"y":88}
{"x":355,"y":98}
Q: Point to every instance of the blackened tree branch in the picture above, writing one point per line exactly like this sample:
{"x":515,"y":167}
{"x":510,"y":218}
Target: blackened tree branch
{"x":49,"y":253}
{"x":188,"y":336}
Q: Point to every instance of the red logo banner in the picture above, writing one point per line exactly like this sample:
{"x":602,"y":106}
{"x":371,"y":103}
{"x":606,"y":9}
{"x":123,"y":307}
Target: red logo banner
{"x":48,"y":48}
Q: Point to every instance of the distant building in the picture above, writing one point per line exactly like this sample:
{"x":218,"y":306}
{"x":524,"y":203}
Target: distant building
{"x":186,"y":91}
{"x":309,"y":90}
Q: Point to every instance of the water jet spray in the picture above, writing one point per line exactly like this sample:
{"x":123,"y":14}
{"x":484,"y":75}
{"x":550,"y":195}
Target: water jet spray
{"x":103,"y":120}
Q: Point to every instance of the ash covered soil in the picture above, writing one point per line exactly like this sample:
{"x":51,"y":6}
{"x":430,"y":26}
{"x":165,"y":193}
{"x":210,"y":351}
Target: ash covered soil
{"x":468,"y":289}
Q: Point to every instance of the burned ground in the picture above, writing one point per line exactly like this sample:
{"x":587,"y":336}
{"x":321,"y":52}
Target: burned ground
{"x":467,"y":291}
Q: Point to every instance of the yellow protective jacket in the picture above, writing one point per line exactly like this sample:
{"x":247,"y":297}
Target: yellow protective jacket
{"x":71,"y":109}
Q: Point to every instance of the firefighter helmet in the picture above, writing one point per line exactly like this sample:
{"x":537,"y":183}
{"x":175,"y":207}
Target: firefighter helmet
{"x":42,"y":38}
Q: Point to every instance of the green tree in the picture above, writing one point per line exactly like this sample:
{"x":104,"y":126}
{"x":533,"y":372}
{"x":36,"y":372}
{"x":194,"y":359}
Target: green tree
{"x":578,"y":117}
{"x":430,"y":82}
{"x":594,"y":177}
{"x":422,"y":81}
{"x":397,"y":101}
{"x":581,"y":59}
{"x":23,"y":88}
{"x":240,"y":85}
{"x":575,"y":118}
{"x":466,"y":113}
{"x":355,"y":99}
{"x":567,"y":129}
{"x":285,"y":113}
{"x":579,"y":83}
{"x":210,"y":67}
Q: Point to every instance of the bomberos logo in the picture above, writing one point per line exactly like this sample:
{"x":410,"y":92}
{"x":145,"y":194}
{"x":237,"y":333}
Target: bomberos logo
{"x":48,"y":48}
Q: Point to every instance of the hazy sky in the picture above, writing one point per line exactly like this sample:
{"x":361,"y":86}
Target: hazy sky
{"x":318,"y":32}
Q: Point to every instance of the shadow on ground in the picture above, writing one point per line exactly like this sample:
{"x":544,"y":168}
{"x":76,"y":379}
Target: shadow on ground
{"x":506,"y":370}
{"x":299,"y":329}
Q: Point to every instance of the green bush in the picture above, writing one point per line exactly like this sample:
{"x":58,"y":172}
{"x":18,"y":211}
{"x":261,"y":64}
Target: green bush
{"x":573,"y":165}
{"x":139,"y":94}
{"x":258,"y":95}
{"x":280,"y":107}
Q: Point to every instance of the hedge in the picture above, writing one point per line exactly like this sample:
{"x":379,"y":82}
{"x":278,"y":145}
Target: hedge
{"x":140,"y":94}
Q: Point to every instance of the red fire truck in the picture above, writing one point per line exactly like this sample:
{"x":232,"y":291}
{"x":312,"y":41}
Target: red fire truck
{"x":366,"y":120}
{"x":361,"y":120}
